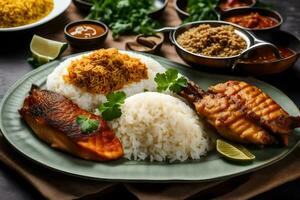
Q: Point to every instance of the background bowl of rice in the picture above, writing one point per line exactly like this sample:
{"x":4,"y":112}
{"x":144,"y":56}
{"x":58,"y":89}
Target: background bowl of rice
{"x":58,"y":8}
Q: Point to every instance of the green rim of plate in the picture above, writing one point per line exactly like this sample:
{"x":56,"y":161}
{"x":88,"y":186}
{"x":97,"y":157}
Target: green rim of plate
{"x":209,"y":168}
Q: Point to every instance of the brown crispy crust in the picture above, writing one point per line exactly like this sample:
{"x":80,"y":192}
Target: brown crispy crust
{"x":53,"y":119}
{"x":259,"y":107}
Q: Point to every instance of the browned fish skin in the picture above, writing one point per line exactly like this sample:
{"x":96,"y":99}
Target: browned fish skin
{"x":53,"y":119}
{"x":226,"y":116}
{"x":259,"y":106}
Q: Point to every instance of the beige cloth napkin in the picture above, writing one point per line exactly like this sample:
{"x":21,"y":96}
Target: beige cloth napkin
{"x":54,"y":185}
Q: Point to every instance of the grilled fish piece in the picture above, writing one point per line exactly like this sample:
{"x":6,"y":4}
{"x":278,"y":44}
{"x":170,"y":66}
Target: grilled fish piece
{"x":260,"y":107}
{"x":52,"y":117}
{"x":225,"y":115}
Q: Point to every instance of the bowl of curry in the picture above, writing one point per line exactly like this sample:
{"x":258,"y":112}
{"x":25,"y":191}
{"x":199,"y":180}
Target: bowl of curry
{"x":262,"y":61}
{"x":254,"y":19}
{"x":86,"y":33}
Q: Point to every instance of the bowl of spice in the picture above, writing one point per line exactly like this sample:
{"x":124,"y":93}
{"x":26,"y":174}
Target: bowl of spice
{"x":215,"y":44}
{"x":262,"y":61}
{"x":254,"y":19}
{"x":86,"y":33}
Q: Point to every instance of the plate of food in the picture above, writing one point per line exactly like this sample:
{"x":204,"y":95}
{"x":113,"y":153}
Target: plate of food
{"x":121,"y":116}
{"x":17,"y":15}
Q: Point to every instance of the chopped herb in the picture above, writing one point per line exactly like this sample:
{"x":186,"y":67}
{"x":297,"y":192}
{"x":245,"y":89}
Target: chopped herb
{"x":86,"y":124}
{"x":33,"y":62}
{"x":111,"y":109}
{"x":170,"y":80}
{"x":146,"y":90}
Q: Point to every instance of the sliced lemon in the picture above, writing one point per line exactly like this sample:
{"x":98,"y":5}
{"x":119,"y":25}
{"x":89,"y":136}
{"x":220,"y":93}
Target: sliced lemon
{"x":234,"y":151}
{"x":44,"y":50}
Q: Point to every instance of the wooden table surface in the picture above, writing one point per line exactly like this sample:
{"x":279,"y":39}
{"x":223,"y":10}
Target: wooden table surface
{"x":14,"y":49}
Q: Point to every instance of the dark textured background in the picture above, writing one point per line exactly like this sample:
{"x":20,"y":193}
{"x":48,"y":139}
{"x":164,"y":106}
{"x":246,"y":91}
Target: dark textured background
{"x":14,"y":49}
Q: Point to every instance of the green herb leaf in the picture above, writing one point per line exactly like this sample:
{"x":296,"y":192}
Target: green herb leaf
{"x":33,"y":62}
{"x":201,"y":10}
{"x":170,"y":80}
{"x":86,"y":124}
{"x":125,"y":16}
{"x":111,"y":109}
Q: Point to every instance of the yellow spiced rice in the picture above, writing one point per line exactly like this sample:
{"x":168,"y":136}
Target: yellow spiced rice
{"x":15,"y":13}
{"x":105,"y":70}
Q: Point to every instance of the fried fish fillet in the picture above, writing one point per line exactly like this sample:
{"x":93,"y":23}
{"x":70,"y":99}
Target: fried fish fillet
{"x":52,"y":117}
{"x":259,"y":106}
{"x":225,"y":115}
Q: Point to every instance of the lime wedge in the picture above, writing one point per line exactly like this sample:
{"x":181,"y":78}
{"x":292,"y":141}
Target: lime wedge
{"x":234,"y":151}
{"x":44,"y":50}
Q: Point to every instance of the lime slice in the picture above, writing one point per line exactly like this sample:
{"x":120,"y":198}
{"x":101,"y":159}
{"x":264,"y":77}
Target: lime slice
{"x":234,"y":151}
{"x":44,"y":50}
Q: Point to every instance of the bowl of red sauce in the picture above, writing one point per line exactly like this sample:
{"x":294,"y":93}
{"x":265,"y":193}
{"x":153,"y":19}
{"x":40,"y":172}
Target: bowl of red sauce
{"x":254,"y":19}
{"x":263,"y":61}
{"x":86,"y":33}
{"x":181,"y":6}
{"x":225,"y":5}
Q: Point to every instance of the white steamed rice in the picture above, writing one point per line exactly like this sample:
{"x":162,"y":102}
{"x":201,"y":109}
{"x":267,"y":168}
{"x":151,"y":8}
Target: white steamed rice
{"x":161,"y":127}
{"x":88,"y":101}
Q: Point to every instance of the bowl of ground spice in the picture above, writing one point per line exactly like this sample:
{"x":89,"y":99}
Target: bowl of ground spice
{"x":215,"y":44}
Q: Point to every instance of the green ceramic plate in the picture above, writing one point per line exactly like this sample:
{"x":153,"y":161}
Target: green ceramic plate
{"x":212,"y":167}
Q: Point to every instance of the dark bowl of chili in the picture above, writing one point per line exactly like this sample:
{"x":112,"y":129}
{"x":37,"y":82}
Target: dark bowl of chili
{"x":86,"y":34}
{"x":254,"y":19}
{"x":262,"y":61}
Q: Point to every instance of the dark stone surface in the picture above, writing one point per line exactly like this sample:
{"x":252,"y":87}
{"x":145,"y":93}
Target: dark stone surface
{"x":13,"y":53}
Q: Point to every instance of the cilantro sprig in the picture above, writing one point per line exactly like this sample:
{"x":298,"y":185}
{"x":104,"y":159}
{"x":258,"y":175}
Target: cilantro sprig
{"x":170,"y":80}
{"x":111,"y":109}
{"x":86,"y":124}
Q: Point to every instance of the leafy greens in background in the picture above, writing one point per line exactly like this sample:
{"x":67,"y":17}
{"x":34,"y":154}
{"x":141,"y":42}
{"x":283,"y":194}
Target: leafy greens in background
{"x":201,"y":10}
{"x":124,"y":16}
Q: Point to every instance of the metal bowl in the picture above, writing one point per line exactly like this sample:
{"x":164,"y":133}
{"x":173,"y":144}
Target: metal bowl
{"x":83,"y":5}
{"x":250,"y":3}
{"x":279,"y":38}
{"x":262,"y":11}
{"x":160,"y":5}
{"x":181,"y":8}
{"x":199,"y":60}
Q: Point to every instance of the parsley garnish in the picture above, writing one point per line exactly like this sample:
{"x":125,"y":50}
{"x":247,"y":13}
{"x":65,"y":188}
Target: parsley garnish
{"x":86,"y":124}
{"x":111,"y":109}
{"x":170,"y":80}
